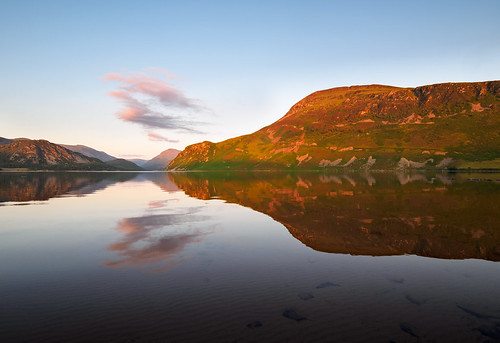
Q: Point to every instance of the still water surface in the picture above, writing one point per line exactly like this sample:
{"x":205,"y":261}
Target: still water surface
{"x":199,"y":257}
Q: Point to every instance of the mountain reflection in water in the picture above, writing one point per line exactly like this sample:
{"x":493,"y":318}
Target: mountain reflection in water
{"x":443,"y":216}
{"x":434,"y":215}
{"x":43,"y":186}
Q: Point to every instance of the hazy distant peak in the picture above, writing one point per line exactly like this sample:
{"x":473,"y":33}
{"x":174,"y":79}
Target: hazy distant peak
{"x":168,"y":153}
{"x":91,"y":152}
{"x":162,"y":160}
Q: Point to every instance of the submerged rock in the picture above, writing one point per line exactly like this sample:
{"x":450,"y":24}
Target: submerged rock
{"x":305,"y":296}
{"x":292,"y":314}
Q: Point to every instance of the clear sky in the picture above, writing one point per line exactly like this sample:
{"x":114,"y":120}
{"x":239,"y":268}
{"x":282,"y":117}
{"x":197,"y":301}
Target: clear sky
{"x":134,"y":78}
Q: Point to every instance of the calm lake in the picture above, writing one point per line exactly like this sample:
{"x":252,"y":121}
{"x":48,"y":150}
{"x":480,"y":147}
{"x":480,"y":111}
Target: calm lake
{"x":249,"y":257}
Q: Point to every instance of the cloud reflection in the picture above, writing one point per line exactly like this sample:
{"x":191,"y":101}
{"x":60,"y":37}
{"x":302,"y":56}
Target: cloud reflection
{"x":158,"y":238}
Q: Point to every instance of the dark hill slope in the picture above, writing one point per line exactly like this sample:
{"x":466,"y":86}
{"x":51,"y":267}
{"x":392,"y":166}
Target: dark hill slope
{"x":4,"y":141}
{"x":451,"y":125}
{"x":122,"y":164}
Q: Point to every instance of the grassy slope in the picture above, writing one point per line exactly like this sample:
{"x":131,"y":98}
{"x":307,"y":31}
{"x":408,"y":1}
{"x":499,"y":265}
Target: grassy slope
{"x":433,"y":123}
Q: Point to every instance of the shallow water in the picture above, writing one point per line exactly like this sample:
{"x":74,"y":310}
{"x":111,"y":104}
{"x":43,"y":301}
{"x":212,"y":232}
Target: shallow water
{"x":246,"y":257}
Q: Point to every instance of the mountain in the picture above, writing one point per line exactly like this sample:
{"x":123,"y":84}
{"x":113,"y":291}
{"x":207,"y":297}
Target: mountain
{"x":88,"y":151}
{"x":161,"y":161}
{"x":118,"y":163}
{"x":140,"y":162}
{"x":121,"y":164}
{"x":42,"y":154}
{"x":450,"y":125}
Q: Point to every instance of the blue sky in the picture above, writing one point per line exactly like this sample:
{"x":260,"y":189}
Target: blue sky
{"x":233,"y":66}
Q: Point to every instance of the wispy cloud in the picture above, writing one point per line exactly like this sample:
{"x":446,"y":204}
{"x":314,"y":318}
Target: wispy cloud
{"x":159,"y":138}
{"x":154,"y":101}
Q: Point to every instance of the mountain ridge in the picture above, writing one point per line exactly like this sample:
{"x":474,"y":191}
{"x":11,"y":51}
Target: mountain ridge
{"x":88,"y":151}
{"x":40,"y":154}
{"x":75,"y":156}
{"x":440,"y":126}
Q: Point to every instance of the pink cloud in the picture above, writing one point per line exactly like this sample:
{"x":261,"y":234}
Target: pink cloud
{"x":145,"y":99}
{"x":145,"y":84}
{"x":159,"y":138}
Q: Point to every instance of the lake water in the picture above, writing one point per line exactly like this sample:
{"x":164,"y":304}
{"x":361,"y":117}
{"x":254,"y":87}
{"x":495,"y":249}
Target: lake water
{"x":211,"y":257}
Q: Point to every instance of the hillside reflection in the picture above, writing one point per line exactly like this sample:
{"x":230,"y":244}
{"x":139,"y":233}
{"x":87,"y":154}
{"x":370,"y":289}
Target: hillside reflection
{"x":381,"y":214}
{"x":44,"y":186}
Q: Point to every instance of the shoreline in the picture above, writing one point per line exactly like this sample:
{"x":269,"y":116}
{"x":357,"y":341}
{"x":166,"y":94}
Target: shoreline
{"x":339,"y":171}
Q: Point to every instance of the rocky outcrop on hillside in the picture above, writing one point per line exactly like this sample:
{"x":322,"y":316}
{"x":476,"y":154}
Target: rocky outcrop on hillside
{"x":194,"y":154}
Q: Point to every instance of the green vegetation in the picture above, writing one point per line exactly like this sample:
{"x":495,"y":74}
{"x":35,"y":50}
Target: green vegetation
{"x":455,"y":125}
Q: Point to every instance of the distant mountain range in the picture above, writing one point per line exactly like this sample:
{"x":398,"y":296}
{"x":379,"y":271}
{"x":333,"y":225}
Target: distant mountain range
{"x":42,"y":154}
{"x":88,"y":151}
{"x":161,"y":161}
{"x":442,"y":126}
{"x":139,"y":161}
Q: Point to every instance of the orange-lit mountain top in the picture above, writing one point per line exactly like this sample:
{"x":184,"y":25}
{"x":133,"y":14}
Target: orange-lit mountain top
{"x":451,"y":125}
